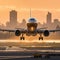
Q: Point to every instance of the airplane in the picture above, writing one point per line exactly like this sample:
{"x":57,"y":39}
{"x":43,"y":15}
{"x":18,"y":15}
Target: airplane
{"x":31,"y":30}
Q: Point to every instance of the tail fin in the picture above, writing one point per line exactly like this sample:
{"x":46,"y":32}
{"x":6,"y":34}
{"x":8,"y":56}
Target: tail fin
{"x":30,"y":12}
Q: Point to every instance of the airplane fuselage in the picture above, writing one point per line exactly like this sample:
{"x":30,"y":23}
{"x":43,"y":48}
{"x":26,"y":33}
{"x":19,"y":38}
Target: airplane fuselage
{"x":31,"y":26}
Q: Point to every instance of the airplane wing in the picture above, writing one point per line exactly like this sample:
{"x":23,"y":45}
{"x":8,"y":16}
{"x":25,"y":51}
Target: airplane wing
{"x":39,"y":30}
{"x":17,"y":32}
{"x":20,"y":31}
{"x":53,"y":30}
{"x":8,"y":30}
{"x":46,"y":32}
{"x":14,"y":30}
{"x":43,"y":30}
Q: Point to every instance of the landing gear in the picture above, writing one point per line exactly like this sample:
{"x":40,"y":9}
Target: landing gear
{"x":40,"y":38}
{"x":22,"y":38}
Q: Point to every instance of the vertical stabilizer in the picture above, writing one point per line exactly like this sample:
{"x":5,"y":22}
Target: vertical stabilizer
{"x":30,"y":12}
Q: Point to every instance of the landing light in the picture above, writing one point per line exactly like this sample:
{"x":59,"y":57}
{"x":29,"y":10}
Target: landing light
{"x":32,"y":28}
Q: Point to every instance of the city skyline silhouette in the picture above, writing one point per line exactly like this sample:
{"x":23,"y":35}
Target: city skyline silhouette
{"x":13,"y":24}
{"x":13,"y":20}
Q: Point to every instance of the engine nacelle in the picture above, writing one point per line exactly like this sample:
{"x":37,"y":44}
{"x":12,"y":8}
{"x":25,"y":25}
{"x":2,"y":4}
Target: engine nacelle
{"x":17,"y":33}
{"x":46,"y":33}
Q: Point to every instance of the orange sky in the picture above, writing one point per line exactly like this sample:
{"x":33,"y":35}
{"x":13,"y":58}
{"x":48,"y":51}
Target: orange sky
{"x":41,"y":7}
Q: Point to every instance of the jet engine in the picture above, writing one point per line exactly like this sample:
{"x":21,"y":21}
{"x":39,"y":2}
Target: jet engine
{"x":46,"y":33}
{"x":17,"y":33}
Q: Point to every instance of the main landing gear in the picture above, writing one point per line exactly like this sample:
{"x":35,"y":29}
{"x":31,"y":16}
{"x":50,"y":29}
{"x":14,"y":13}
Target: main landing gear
{"x":22,"y":38}
{"x":40,"y":38}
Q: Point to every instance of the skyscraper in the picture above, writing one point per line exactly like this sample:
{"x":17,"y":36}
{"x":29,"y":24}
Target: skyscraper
{"x":13,"y":17}
{"x":49,"y":18}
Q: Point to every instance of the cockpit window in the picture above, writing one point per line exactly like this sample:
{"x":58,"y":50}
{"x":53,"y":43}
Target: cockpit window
{"x":32,"y":20}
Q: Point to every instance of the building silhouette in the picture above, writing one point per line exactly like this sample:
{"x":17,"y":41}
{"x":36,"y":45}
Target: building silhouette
{"x":56,"y":21}
{"x":12,"y":19}
{"x":23,"y":23}
{"x":49,"y":18}
{"x":58,"y":27}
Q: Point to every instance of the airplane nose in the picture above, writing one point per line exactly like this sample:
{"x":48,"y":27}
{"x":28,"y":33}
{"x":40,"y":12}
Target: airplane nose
{"x":31,"y":26}
{"x":32,"y":20}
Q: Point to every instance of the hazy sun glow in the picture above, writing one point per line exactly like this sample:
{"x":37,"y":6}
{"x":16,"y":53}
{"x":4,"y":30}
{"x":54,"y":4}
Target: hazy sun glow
{"x":39,"y":9}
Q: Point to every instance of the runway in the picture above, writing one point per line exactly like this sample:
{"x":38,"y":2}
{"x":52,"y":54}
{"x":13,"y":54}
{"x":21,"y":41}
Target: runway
{"x":13,"y":57}
{"x":24,"y":50}
{"x":18,"y":55}
{"x":28,"y":58}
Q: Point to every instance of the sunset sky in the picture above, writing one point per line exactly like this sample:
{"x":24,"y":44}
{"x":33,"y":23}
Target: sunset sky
{"x":39,"y":9}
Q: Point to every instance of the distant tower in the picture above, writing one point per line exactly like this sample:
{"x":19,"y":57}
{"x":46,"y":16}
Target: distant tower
{"x":57,"y":27}
{"x":23,"y":24}
{"x":13,"y":17}
{"x":23,"y":21}
{"x":49,"y":18}
{"x":56,"y":21}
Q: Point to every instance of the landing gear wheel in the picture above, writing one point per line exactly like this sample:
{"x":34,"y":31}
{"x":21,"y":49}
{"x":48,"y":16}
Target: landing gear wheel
{"x":41,"y":38}
{"x":22,"y":38}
